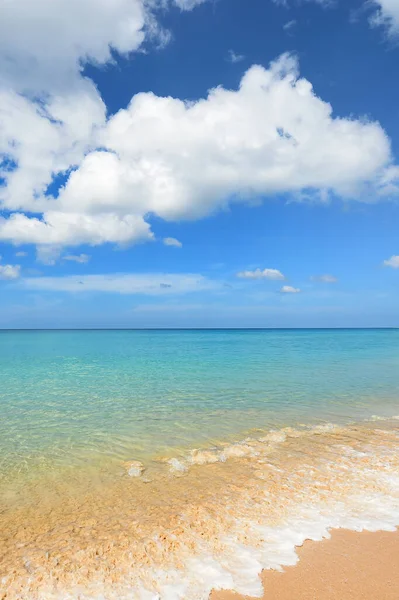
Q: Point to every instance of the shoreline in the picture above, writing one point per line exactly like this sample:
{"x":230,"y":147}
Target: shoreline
{"x":347,"y":566}
{"x":213,"y":524}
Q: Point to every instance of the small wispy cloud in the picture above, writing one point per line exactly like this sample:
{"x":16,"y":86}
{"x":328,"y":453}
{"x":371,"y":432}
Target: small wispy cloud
{"x":233,"y":57}
{"x":21,"y":254}
{"x":33,"y":272}
{"x":151,"y":284}
{"x":392,"y":262}
{"x":170,"y":308}
{"x":78,"y":258}
{"x":48,"y":254}
{"x":288,"y":289}
{"x":324,"y":278}
{"x":386,"y":15}
{"x":273,"y":274}
{"x":323,"y":3}
{"x":289,"y":26}
{"x":169,"y":241}
{"x":10,"y":272}
{"x":188,"y":4}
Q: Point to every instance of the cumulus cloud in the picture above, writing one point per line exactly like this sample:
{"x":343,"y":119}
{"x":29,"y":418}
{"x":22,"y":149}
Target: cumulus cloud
{"x":234,"y":57}
{"x":78,"y":258}
{"x":10,"y":271}
{"x":75,"y":30}
{"x":324,"y":278}
{"x":124,"y":283}
{"x":273,"y":274}
{"x":169,"y":241}
{"x":42,"y":140}
{"x":161,"y":156}
{"x":288,"y":289}
{"x":386,"y":15}
{"x":392,"y":262}
{"x":58,"y":229}
{"x":50,"y":114}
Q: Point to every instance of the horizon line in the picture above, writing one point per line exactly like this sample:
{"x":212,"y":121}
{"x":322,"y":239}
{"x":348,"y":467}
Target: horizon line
{"x":11,"y":329}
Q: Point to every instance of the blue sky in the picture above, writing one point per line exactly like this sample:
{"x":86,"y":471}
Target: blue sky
{"x":193,"y":163}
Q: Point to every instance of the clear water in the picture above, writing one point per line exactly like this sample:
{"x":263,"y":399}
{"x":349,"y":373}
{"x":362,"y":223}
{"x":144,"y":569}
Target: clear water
{"x":77,"y":407}
{"x":84,"y":396}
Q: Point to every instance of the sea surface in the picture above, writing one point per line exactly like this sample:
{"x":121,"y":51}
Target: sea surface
{"x":162,"y":464}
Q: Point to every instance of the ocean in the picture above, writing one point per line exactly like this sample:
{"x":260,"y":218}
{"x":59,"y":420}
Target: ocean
{"x":165,"y":463}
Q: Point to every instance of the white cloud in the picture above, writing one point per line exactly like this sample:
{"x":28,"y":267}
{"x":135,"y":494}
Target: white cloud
{"x":78,"y":258}
{"x":235,"y":58}
{"x":71,"y":229}
{"x":49,"y":114}
{"x":324,"y":278}
{"x":169,"y":241}
{"x":45,"y":141}
{"x":273,"y":274}
{"x":10,"y":271}
{"x":386,"y":15}
{"x":74,"y":30}
{"x":170,"y":308}
{"x":148,"y":284}
{"x":392,"y":262}
{"x":188,"y":4}
{"x":289,"y":25}
{"x":287,"y":3}
{"x":288,"y":289}
{"x":174,"y":159}
{"x":52,"y":135}
{"x":48,"y":254}
{"x":21,"y":254}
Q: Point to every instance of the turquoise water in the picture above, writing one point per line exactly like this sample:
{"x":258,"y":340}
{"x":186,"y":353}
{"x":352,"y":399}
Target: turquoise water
{"x":78,"y":515}
{"x":87,"y":396}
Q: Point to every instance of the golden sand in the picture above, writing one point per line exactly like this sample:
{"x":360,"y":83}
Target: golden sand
{"x":349,"y":566}
{"x":180,"y":532}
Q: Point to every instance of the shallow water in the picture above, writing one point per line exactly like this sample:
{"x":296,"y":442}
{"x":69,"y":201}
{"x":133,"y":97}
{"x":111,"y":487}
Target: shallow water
{"x":178,"y":534}
{"x":73,"y":397}
{"x":251,"y":441}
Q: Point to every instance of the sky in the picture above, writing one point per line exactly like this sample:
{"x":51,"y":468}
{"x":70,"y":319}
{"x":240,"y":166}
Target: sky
{"x":199,"y":163}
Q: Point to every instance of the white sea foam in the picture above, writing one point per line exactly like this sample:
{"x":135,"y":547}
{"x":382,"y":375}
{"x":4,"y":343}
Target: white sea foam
{"x":370,"y":501}
{"x":177,"y":466}
{"x":352,"y":484}
{"x":134,"y":468}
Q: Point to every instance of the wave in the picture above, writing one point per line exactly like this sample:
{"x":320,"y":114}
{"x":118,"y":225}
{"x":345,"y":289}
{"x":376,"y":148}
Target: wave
{"x":214,"y":520}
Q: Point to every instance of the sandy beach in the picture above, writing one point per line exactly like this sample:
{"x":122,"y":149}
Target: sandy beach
{"x":213,"y":526}
{"x":349,"y":566}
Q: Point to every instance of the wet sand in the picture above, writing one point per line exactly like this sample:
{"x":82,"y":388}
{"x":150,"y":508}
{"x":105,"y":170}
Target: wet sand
{"x":349,"y":566}
{"x":212,"y":523}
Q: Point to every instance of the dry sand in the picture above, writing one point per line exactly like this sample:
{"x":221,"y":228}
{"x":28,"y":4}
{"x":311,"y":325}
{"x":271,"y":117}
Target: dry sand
{"x":349,"y":566}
